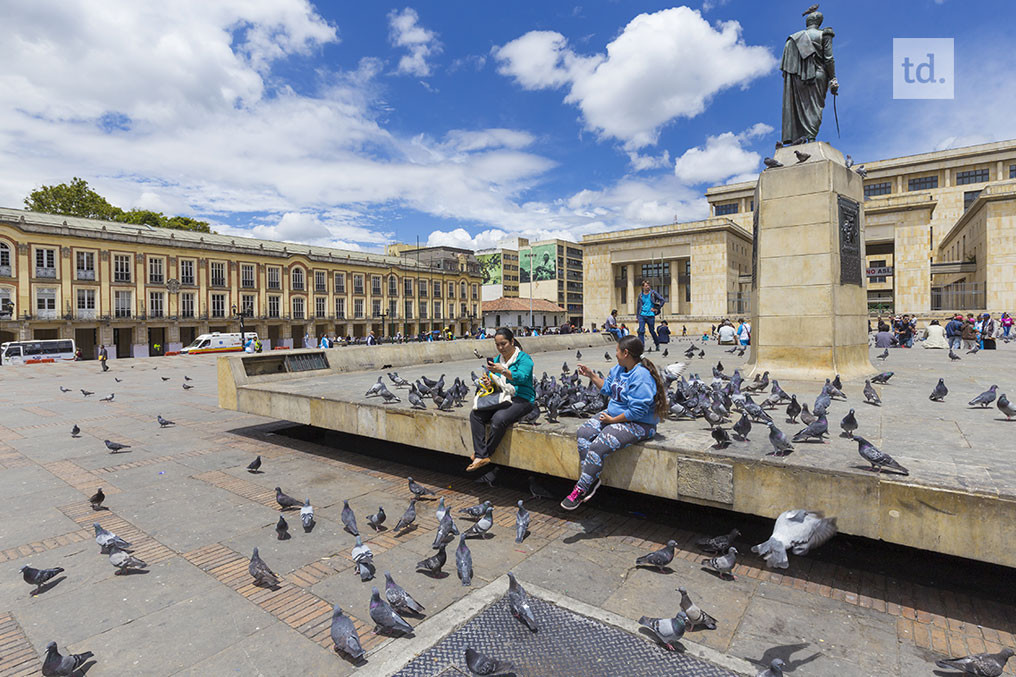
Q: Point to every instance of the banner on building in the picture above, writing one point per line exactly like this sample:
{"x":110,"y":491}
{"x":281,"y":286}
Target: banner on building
{"x":542,"y":259}
{"x":490,"y":267}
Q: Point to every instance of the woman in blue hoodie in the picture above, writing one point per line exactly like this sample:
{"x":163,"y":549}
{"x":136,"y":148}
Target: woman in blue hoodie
{"x":638,"y":400}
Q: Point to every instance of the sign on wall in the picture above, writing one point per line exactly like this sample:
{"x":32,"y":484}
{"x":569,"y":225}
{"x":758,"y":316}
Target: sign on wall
{"x":880,"y":271}
{"x":543,"y":262}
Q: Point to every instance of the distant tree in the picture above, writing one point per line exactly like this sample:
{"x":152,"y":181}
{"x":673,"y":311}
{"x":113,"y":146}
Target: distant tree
{"x":187,"y":223}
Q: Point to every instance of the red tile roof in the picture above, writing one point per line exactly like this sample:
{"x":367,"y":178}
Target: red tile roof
{"x":520,"y":305}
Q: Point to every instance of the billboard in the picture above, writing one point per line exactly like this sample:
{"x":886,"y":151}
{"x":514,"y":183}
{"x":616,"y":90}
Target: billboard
{"x":543,"y":262}
{"x":490,"y":267}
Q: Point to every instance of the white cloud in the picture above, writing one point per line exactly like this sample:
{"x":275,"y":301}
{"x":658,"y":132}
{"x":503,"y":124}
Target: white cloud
{"x":721,"y":157}
{"x":662,"y":66}
{"x":420,"y":42}
{"x":642,"y":162}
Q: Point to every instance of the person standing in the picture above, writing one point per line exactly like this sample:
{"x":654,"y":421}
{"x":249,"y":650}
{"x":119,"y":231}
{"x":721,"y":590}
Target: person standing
{"x":638,"y":399}
{"x":969,"y":334}
{"x":954,"y":332}
{"x":371,"y":340}
{"x":744,"y":332}
{"x":663,"y":333}
{"x":103,"y":357}
{"x":1006,"y":323}
{"x":649,"y":305}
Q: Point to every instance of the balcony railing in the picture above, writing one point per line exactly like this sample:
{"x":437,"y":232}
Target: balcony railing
{"x":5,"y":271}
{"x":156,"y":279}
{"x":85,"y":274}
{"x":85,"y":314}
{"x":739,"y":303}
{"x":45,"y":272}
{"x":122,"y":313}
{"x":959,"y":296}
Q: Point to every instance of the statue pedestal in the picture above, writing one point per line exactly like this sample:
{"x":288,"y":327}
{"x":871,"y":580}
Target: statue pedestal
{"x":809,"y":303}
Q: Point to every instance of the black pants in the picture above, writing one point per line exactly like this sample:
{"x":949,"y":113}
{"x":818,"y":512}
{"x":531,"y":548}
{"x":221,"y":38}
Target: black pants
{"x":105,"y":367}
{"x":500,"y":419}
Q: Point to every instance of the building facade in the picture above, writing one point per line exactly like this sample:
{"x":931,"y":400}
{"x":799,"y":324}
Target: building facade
{"x":534,"y":313}
{"x":133,"y":288}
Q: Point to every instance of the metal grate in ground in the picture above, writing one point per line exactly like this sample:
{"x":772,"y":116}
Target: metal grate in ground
{"x":567,"y":644}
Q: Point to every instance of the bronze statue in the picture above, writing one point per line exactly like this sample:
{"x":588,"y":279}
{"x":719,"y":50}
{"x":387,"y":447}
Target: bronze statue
{"x":808,"y":70}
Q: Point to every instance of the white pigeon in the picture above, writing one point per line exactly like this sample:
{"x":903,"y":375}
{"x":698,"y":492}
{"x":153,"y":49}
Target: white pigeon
{"x":798,"y":531}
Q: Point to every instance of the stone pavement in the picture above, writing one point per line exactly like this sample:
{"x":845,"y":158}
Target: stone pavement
{"x":183,"y":497}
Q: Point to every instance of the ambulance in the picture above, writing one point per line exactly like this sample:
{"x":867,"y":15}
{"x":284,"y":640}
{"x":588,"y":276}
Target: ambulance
{"x":218,"y":343}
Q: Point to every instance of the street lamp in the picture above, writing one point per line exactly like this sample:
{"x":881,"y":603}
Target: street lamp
{"x":530,"y":255}
{"x":240,"y":314}
{"x":384,"y":314}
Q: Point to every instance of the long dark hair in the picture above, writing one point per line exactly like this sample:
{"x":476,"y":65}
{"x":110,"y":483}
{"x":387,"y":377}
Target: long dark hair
{"x":633,"y":346}
{"x":509,"y":335}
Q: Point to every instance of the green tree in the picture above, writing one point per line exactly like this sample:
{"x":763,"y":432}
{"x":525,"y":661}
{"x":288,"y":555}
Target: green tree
{"x":187,"y":223}
{"x":75,"y":199}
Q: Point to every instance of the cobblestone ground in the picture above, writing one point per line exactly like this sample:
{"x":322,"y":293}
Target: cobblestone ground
{"x":182,"y":496}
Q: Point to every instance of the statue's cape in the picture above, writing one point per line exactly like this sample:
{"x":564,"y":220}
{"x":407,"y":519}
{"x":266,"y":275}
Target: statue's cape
{"x":801,"y":52}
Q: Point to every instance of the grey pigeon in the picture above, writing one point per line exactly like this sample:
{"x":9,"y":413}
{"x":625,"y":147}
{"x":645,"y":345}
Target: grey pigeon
{"x":518,"y":602}
{"x":883,"y":377}
{"x":801,"y":157}
{"x":64,"y":390}
{"x":163,"y":422}
{"x":400,"y":600}
{"x":388,"y":396}
{"x":953,"y":356}
{"x":984,"y":399}
{"x":408,"y":517}
{"x":441,"y":510}
{"x":475,"y":511}
{"x":491,"y":475}
{"x":55,"y":665}
{"x":259,"y":571}
{"x":878,"y":459}
{"x":399,"y":381}
{"x":870,"y":395}
{"x":781,"y":445}
{"x":364,"y":560}
{"x":798,"y":531}
{"x":742,"y":427}
{"x":536,"y":490}
{"x":124,"y":561}
{"x":721,"y":436}
{"x":165,"y":378}
{"x":108,"y":540}
{"x":75,"y":431}
{"x":349,"y":519}
{"x":718,"y":544}
{"x":86,"y":393}
{"x":282,"y":528}
{"x":667,"y":630}
{"x":770,"y":163}
{"x":375,"y":389}
{"x":479,"y":664}
{"x":482,"y":525}
{"x":722,"y":564}
{"x":849,"y":423}
{"x":817,"y":429}
{"x":254,"y":465}
{"x":384,"y":616}
{"x":464,"y":562}
{"x":940,"y":391}
{"x":1006,"y":407}
{"x":285,"y":501}
{"x":793,"y":409}
{"x":522,"y":519}
{"x":116,"y":447}
{"x":775,"y":669}
{"x":38,"y":577}
{"x":344,"y":635}
{"x":578,"y":354}
{"x":446,"y":531}
{"x":96,"y":499}
{"x":696,"y":616}
{"x":807,"y":418}
{"x":416,"y":400}
{"x":606,"y":356}
{"x":377,"y":519}
{"x":433,"y":564}
{"x":658,"y":558}
{"x":307,"y":516}
{"x":973,"y":351}
{"x":187,"y":386}
{"x":419,"y":490}
{"x":980,"y":664}
{"x":883,"y":355}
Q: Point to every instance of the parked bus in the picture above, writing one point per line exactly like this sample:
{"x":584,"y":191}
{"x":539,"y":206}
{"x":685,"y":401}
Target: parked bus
{"x":30,"y":352}
{"x":218,"y":343}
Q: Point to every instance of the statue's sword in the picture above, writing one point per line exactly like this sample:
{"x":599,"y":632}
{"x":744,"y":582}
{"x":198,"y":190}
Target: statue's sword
{"x":836,"y":116}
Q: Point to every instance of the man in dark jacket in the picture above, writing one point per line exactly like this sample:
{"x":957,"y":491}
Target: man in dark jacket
{"x":954,"y":332}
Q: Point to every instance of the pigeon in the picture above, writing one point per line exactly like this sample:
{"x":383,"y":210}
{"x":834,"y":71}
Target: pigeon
{"x":38,"y":577}
{"x":107,"y":398}
{"x":536,"y":490}
{"x":108,"y":540}
{"x":718,"y":544}
{"x":1006,"y":407}
{"x":489,"y":476}
{"x":883,"y":377}
{"x":400,"y":600}
{"x":522,"y":518}
{"x":377,"y":519}
{"x":349,"y":519}
{"x":722,"y":438}
{"x":385,"y":617}
{"x":482,"y":525}
{"x":285,"y":501}
{"x":801,"y":157}
{"x":187,"y":378}
{"x":282,"y":528}
{"x":666,"y":352}
{"x":940,"y":391}
{"x":953,"y":356}
{"x":364,"y":560}
{"x":781,"y":445}
{"x":878,"y":459}
{"x":187,"y":386}
{"x":415,"y":400}
{"x":861,"y":171}
{"x":807,"y":418}
{"x":389,"y":397}
{"x":985,"y":398}
{"x":259,"y":571}
{"x":64,"y":390}
{"x":741,"y":428}
{"x":806,"y":13}
{"x":775,"y":669}
{"x":849,"y":160}
{"x":722,"y":564}
{"x":441,"y":510}
{"x":479,"y":664}
{"x":974,"y":350}
{"x":564,"y":368}
{"x":116,"y":447}
{"x":870,"y":395}
{"x":163,"y":422}
{"x":433,"y":564}
{"x":658,"y":558}
{"x":254,"y":465}
{"x":981,"y":664}
{"x":344,"y":635}
{"x":695,"y":615}
{"x":798,"y":531}
{"x":408,"y":517}
{"x":86,"y":393}
{"x":55,"y":665}
{"x":96,"y":499}
{"x":793,"y":409}
{"x":477,"y":354}
{"x":770,"y":163}
{"x":849,"y":424}
{"x":606,"y":356}
{"x":164,"y":378}
{"x":883,"y":355}
{"x":578,"y":354}
{"x":118,"y":380}
{"x":446,"y":532}
{"x":667,"y":630}
{"x":518,"y":602}
{"x":124,"y":561}
{"x":419,"y":490}
{"x":375,"y":389}
{"x":816,"y":430}
{"x":399,"y":381}
{"x":75,"y":431}
{"x":475,"y":511}
{"x":307,"y":516}
{"x":464,"y":562}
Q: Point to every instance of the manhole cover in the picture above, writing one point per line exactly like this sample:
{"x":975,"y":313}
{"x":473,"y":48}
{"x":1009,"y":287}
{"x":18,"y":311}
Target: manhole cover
{"x":567,"y":644}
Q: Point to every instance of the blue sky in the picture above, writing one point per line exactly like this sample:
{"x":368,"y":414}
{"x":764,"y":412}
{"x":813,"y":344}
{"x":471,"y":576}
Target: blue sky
{"x":358,"y":124}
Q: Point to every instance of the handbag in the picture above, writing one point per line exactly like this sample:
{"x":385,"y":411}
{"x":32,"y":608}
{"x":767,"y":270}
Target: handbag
{"x":497,"y":393}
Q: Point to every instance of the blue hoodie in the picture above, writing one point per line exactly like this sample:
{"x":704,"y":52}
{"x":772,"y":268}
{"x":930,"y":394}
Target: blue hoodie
{"x":632,"y":393}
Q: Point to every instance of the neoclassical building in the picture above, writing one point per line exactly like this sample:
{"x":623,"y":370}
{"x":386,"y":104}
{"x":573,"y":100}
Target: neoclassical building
{"x":134,"y":287}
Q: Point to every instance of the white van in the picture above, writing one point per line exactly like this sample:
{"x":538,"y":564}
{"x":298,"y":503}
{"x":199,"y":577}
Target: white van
{"x":41,"y":350}
{"x":218,"y":343}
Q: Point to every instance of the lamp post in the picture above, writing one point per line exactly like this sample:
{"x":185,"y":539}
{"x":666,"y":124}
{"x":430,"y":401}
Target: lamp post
{"x":384,"y":314}
{"x":530,"y":255}
{"x":241,"y":314}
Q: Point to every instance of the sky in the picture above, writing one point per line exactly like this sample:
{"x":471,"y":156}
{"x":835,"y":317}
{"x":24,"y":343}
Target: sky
{"x":358,"y":124}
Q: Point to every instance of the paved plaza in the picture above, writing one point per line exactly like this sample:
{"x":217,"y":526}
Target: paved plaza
{"x":182,"y":496}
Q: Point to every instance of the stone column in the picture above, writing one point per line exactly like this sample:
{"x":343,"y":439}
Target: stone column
{"x":629,"y":308}
{"x":809,"y":303}
{"x":912,"y":265}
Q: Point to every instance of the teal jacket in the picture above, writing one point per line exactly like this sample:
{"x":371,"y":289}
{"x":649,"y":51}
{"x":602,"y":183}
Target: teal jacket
{"x":522,"y":376}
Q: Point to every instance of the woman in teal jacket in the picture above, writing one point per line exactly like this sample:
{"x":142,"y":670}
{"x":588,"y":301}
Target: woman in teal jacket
{"x":517,"y":369}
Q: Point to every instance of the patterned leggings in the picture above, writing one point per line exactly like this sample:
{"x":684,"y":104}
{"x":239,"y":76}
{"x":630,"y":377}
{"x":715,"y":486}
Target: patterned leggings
{"x":597,"y":441}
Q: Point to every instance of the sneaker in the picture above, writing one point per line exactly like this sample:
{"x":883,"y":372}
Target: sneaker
{"x":592,"y":491}
{"x":574,"y":499}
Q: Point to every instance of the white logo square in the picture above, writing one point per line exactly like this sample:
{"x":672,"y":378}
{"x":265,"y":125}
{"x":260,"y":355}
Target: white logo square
{"x":923,"y":68}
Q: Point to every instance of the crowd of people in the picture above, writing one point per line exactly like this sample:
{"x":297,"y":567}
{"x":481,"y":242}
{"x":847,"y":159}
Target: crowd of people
{"x":966,"y":332}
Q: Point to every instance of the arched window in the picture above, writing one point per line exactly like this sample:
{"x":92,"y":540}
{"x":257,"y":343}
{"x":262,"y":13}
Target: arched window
{"x":393,"y":285}
{"x":5,"y":259}
{"x":298,"y":278}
